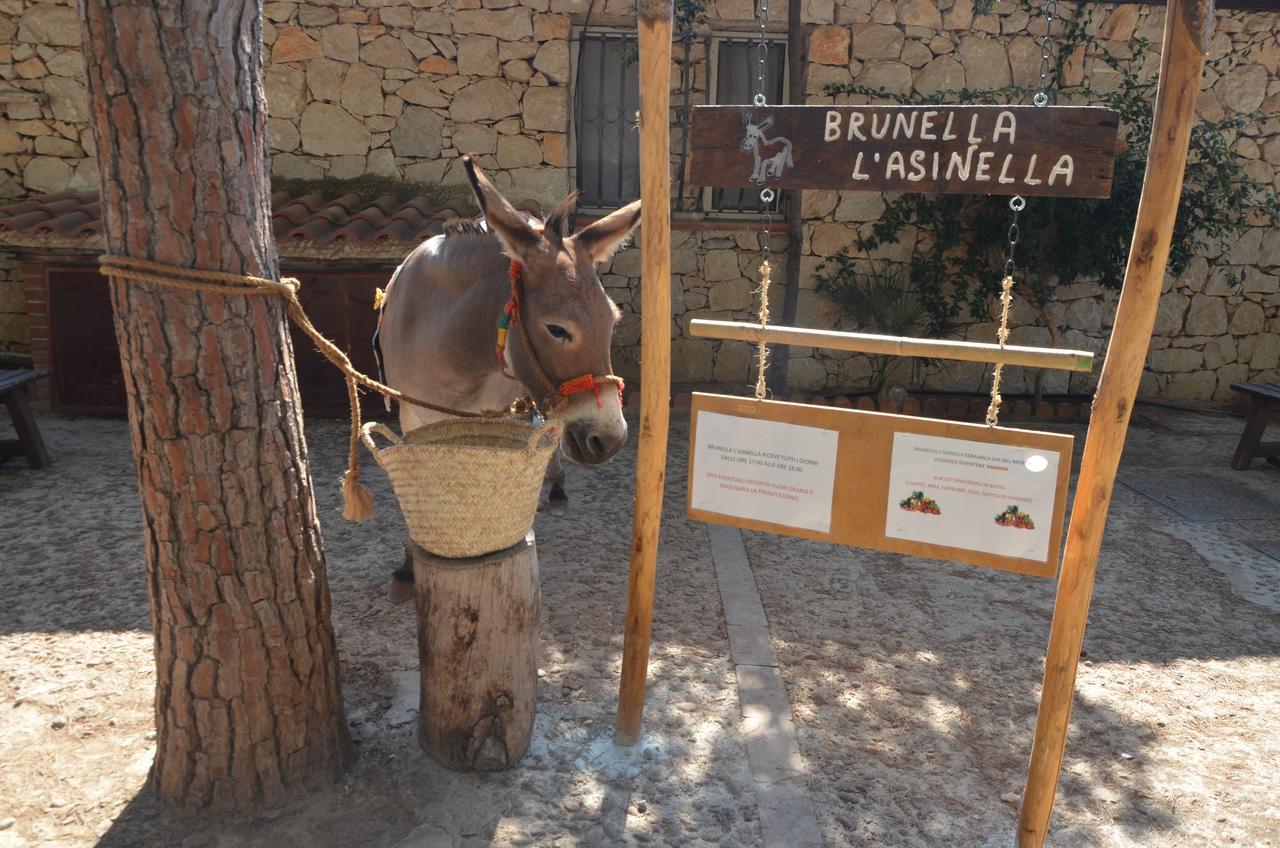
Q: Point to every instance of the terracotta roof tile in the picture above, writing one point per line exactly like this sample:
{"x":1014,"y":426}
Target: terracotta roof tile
{"x":297,"y":221}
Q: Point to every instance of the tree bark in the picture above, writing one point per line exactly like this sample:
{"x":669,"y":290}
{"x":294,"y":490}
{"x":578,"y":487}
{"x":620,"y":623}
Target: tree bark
{"x":248,"y":703}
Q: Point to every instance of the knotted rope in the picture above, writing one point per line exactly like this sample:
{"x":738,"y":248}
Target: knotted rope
{"x":762,"y":349}
{"x":1006,"y":297}
{"x":357,"y":502}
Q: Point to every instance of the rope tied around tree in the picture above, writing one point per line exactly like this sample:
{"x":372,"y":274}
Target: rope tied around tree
{"x":357,"y":502}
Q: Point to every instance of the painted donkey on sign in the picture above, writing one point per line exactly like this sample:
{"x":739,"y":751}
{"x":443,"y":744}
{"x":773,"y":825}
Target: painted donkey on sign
{"x":439,"y":325}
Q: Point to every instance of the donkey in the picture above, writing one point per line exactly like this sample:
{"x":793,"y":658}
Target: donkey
{"x":438,"y":330}
{"x":773,"y":166}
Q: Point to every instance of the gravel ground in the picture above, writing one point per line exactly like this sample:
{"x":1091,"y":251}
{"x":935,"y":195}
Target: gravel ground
{"x":913,"y":683}
{"x":76,"y":678}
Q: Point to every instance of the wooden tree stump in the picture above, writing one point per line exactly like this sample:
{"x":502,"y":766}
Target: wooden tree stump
{"x":478,"y":655}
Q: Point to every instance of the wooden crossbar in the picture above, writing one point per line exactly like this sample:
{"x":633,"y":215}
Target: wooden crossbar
{"x":1032,"y":357}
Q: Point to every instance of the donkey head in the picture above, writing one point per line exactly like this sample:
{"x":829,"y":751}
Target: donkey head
{"x":755,"y":132}
{"x":569,"y":318}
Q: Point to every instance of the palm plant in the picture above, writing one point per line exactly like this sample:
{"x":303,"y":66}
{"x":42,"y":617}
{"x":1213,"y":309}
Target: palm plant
{"x":878,"y":297}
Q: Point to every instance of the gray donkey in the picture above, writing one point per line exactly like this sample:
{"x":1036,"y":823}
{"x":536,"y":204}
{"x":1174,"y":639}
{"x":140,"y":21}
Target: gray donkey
{"x":438,"y":329}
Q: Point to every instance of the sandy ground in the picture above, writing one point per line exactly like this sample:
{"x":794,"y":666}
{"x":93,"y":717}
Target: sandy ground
{"x":75,"y":647}
{"x":913,"y":683}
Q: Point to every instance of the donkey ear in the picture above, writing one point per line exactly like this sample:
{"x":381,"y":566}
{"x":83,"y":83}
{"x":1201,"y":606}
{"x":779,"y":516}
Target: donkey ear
{"x":765,"y":124}
{"x":602,"y":238}
{"x":746,"y":119}
{"x":505,"y":220}
{"x":556,"y":226}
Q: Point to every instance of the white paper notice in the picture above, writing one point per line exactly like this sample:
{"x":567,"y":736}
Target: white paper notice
{"x":764,"y":470}
{"x":973,"y":495}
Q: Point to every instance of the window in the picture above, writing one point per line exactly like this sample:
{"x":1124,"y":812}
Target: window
{"x":607,"y":97}
{"x":737,"y":64}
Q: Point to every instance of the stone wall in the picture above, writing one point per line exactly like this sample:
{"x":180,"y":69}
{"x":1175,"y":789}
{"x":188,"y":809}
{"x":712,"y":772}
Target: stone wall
{"x":402,"y":88}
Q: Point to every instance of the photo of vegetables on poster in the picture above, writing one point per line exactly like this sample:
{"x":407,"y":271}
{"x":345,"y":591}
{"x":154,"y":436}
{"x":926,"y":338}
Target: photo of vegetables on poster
{"x":979,"y":496}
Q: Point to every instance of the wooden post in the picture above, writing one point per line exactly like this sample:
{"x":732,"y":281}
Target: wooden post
{"x":654,"y":22}
{"x":478,"y":655}
{"x":1186,"y":37}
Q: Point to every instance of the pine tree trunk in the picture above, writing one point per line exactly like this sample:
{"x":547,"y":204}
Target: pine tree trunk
{"x":248,"y":703}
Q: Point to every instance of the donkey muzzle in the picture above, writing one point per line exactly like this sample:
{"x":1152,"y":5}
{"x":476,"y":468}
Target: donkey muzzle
{"x":587,"y":444}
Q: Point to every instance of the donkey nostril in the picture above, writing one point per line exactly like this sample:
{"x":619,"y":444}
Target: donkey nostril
{"x":595,"y":445}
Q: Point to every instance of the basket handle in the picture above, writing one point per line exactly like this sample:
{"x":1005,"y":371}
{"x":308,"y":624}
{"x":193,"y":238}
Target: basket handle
{"x":367,"y":431}
{"x":548,"y":431}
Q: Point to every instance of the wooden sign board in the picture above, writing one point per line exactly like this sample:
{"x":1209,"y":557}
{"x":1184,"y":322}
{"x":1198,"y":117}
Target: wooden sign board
{"x":988,"y":496}
{"x":1053,"y":151}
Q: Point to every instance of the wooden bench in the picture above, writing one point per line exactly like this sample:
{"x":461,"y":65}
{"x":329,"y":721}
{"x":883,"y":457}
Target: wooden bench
{"x":13,"y":389}
{"x":1266,"y":399}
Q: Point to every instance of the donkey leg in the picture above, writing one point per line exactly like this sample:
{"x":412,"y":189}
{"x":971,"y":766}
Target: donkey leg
{"x":402,"y":580}
{"x":557,"y":500}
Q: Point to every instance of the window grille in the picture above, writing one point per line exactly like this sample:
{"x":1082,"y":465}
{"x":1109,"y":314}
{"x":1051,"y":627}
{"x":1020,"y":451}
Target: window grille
{"x":607,"y":97}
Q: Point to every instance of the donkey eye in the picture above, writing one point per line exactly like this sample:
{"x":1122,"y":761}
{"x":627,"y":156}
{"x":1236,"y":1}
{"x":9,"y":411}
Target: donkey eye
{"x":559,"y":332}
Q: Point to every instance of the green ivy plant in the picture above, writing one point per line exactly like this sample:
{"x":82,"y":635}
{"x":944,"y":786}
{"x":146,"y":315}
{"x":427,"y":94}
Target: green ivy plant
{"x":961,"y":240}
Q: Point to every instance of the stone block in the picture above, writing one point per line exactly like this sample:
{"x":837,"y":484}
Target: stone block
{"x":692,"y":360}
{"x":324,"y":78}
{"x":731,"y":295}
{"x":329,"y":130}
{"x":876,"y":41}
{"x":294,"y":45}
{"x":478,"y":56}
{"x":68,"y":63}
{"x":546,"y":109}
{"x":1171,"y":313}
{"x":986,"y":64}
{"x":1247,"y":318}
{"x":828,"y":239}
{"x":920,"y":13}
{"x":1193,"y":385}
{"x":283,"y":134}
{"x":1243,"y":88}
{"x":417,"y":133}
{"x":720,"y":265}
{"x":1219,"y":351}
{"x":68,"y":99}
{"x":473,"y":138}
{"x":293,"y":167}
{"x":286,"y":91}
{"x":387,"y":51}
{"x":46,"y":23}
{"x":361,"y":91}
{"x":916,"y":55}
{"x":1085,"y":314}
{"x":859,"y":206}
{"x":829,"y":45}
{"x":1266,"y":352}
{"x":487,"y":100}
{"x":517,"y":151}
{"x":552,"y":59}
{"x":506,"y":24}
{"x":942,"y":74}
{"x":53,"y":146}
{"x":422,"y":92}
{"x":46,"y":174}
{"x":1206,"y":316}
{"x":340,"y":42}
{"x":437,"y":65}
{"x":1175,"y":359}
{"x":883,"y":74}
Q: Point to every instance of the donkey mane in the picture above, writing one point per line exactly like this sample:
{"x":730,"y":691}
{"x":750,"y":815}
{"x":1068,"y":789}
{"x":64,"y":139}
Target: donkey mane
{"x":473,"y":226}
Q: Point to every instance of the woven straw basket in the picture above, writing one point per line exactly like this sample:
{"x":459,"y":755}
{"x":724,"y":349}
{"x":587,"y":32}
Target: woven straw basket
{"x":466,"y":486}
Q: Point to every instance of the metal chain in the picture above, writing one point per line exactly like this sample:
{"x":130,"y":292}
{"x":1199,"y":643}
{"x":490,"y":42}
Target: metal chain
{"x":762,"y":54}
{"x":1046,"y":54}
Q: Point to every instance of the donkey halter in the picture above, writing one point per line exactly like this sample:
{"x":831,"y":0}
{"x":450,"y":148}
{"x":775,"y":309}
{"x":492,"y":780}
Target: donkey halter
{"x":556,"y":396}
